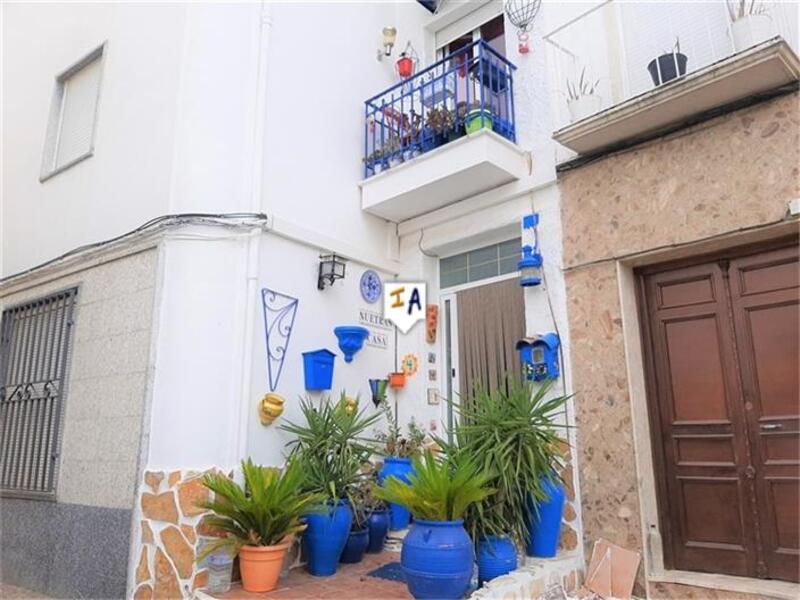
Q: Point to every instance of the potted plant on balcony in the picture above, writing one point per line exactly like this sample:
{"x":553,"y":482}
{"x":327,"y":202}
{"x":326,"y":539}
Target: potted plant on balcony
{"x":478,"y":118}
{"x":669,"y":65}
{"x":332,"y":449}
{"x":582,"y":100}
{"x":750,"y":23}
{"x":512,"y":433}
{"x":261,"y":519}
{"x":437,"y":555}
{"x":399,"y":451}
{"x":438,"y":123}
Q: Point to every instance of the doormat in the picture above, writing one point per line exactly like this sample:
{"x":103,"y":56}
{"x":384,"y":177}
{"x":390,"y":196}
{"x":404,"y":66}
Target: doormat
{"x":391,"y":571}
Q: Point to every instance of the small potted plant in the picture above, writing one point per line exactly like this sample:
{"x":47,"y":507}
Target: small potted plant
{"x":582,"y":100}
{"x":261,"y":519}
{"x":750,"y":23}
{"x":378,"y":520}
{"x":478,"y":118}
{"x":332,"y":450}
{"x":358,"y":540}
{"x":669,"y":65}
{"x":399,"y":450}
{"x":437,"y":555}
{"x":438,"y":123}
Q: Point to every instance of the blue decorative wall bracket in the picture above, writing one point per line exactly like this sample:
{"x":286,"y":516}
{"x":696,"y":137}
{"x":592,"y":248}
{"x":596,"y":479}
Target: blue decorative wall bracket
{"x":279,"y":314}
{"x":351,"y":339}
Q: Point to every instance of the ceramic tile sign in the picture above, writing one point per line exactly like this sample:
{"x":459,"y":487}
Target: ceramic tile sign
{"x":404,"y":303}
{"x":410,"y":364}
{"x":431,"y":322}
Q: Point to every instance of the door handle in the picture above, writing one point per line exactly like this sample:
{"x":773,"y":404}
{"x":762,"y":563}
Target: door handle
{"x":770,"y":426}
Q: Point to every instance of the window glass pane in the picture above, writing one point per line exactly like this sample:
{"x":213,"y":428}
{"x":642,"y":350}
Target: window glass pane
{"x":459,"y":261}
{"x":483,"y":255}
{"x":451,"y":278}
{"x":508,"y":265}
{"x":510,"y":248}
{"x":483,"y":271}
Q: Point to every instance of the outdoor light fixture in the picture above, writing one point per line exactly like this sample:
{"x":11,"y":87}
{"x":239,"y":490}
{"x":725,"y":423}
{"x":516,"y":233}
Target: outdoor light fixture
{"x":389,"y":38}
{"x":331,"y":268}
{"x":521,"y":14}
{"x":530,"y":265}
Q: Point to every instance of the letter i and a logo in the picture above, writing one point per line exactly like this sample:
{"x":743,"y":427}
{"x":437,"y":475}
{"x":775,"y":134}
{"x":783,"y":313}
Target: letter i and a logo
{"x":404,"y":303}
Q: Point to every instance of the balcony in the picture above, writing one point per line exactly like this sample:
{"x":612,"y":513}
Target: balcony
{"x":627,"y":71}
{"x":441,"y":135}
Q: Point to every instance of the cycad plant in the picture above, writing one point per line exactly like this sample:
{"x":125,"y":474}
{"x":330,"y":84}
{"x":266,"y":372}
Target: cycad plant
{"x":440,"y":489}
{"x":265,"y":512}
{"x":331,"y":446}
{"x":512,"y":434}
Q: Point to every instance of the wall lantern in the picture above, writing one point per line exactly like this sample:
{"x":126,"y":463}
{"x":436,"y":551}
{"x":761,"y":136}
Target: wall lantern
{"x":331,"y":268}
{"x":389,"y":38}
{"x":407,"y":63}
{"x":531,"y":264}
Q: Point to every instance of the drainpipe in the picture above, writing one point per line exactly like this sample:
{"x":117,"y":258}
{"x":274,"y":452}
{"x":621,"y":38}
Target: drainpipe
{"x":253,"y":175}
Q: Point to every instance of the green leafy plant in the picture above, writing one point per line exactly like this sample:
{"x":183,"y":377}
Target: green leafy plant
{"x":440,"y":489}
{"x":739,"y":9}
{"x":265,"y":512}
{"x":583,"y":86}
{"x":331,"y":445}
{"x":512,"y":434}
{"x":440,"y":119}
{"x":394,"y":442}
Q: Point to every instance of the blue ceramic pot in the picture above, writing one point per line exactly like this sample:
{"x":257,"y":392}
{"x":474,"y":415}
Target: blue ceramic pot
{"x":496,"y":556}
{"x":354,"y":547}
{"x":351,"y":339}
{"x":544,"y":524}
{"x":325,"y":537}
{"x":437,"y":559}
{"x":378,"y":525}
{"x":399,"y":517}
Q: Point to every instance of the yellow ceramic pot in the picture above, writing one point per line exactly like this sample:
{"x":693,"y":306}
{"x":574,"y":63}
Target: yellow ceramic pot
{"x":270,"y":408}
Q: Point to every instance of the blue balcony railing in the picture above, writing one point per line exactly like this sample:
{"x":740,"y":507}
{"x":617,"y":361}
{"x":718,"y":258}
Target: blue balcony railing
{"x":463,"y":93}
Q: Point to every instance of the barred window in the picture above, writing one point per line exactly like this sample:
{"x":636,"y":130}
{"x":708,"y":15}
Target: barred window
{"x":35,"y":340}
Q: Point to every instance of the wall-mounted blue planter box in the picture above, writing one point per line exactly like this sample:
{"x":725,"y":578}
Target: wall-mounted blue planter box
{"x":318,"y":369}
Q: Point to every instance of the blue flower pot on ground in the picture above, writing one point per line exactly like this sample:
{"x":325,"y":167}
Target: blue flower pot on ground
{"x":437,"y":559}
{"x":354,"y":547}
{"x":325,"y":537}
{"x":378,"y":524}
{"x":496,"y":556}
{"x":544,"y":528}
{"x":399,"y":517}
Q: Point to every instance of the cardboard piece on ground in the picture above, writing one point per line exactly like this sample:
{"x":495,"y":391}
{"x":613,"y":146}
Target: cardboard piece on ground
{"x":612,"y":570}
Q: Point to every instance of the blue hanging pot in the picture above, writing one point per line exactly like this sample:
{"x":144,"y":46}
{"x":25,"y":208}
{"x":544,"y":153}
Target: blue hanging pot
{"x":378,"y":524}
{"x":351,"y":340}
{"x":355,"y":546}
{"x":378,"y":389}
{"x":437,"y":559}
{"x":544,"y":524}
{"x":399,"y":517}
{"x":496,"y":556}
{"x":325,"y":537}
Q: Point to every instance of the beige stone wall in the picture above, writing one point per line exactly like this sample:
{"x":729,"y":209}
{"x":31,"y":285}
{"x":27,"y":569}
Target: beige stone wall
{"x":107,"y":377}
{"x":737,"y":171}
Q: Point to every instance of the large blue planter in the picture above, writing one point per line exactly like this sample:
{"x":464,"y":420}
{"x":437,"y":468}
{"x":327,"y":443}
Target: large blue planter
{"x":496,"y":556}
{"x":378,"y":525}
{"x":354,"y":547}
{"x":544,"y":528}
{"x":399,"y":517}
{"x":437,"y":559}
{"x":318,"y":369}
{"x":351,"y":339}
{"x":325,"y":537}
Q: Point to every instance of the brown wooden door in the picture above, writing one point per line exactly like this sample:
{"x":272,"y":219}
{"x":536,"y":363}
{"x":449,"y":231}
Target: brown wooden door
{"x":722,"y":356}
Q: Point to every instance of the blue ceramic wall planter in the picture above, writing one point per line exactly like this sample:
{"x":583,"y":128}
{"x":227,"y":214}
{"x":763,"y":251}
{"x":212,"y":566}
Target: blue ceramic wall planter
{"x":318,"y":369}
{"x":351,"y":339}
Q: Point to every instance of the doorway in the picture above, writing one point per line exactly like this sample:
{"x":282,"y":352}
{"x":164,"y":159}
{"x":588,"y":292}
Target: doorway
{"x":721,"y":358}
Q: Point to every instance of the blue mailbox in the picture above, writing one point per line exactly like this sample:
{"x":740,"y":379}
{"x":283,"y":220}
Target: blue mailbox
{"x":539,"y":356}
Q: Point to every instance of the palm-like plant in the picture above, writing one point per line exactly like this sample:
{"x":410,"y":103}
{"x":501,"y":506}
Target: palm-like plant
{"x":331,"y":446}
{"x":265,"y":512}
{"x":440,"y":489}
{"x":512,"y":434}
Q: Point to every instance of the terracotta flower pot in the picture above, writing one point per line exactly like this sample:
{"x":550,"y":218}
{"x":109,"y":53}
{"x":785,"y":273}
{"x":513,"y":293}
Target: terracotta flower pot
{"x":397,"y":380}
{"x":261,"y":566}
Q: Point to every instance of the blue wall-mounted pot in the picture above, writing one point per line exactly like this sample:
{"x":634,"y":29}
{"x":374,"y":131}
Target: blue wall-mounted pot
{"x":401,"y":468}
{"x":495,"y":556}
{"x":355,"y":546}
{"x":325,"y":537}
{"x":544,"y":525}
{"x":378,"y":524}
{"x":351,"y":339}
{"x":437,"y":559}
{"x":318,"y":369}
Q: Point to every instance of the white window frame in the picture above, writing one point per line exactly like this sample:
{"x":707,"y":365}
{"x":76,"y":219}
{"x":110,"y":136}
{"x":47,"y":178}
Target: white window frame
{"x":49,"y":168}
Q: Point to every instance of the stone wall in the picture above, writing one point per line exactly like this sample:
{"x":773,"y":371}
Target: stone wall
{"x":737,"y":171}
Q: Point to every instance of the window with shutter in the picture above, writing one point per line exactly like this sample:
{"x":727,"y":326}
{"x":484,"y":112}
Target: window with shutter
{"x":35,"y":340}
{"x":73,"y":115}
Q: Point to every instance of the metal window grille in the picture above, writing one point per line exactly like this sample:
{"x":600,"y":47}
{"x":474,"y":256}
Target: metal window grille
{"x":34,"y":346}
